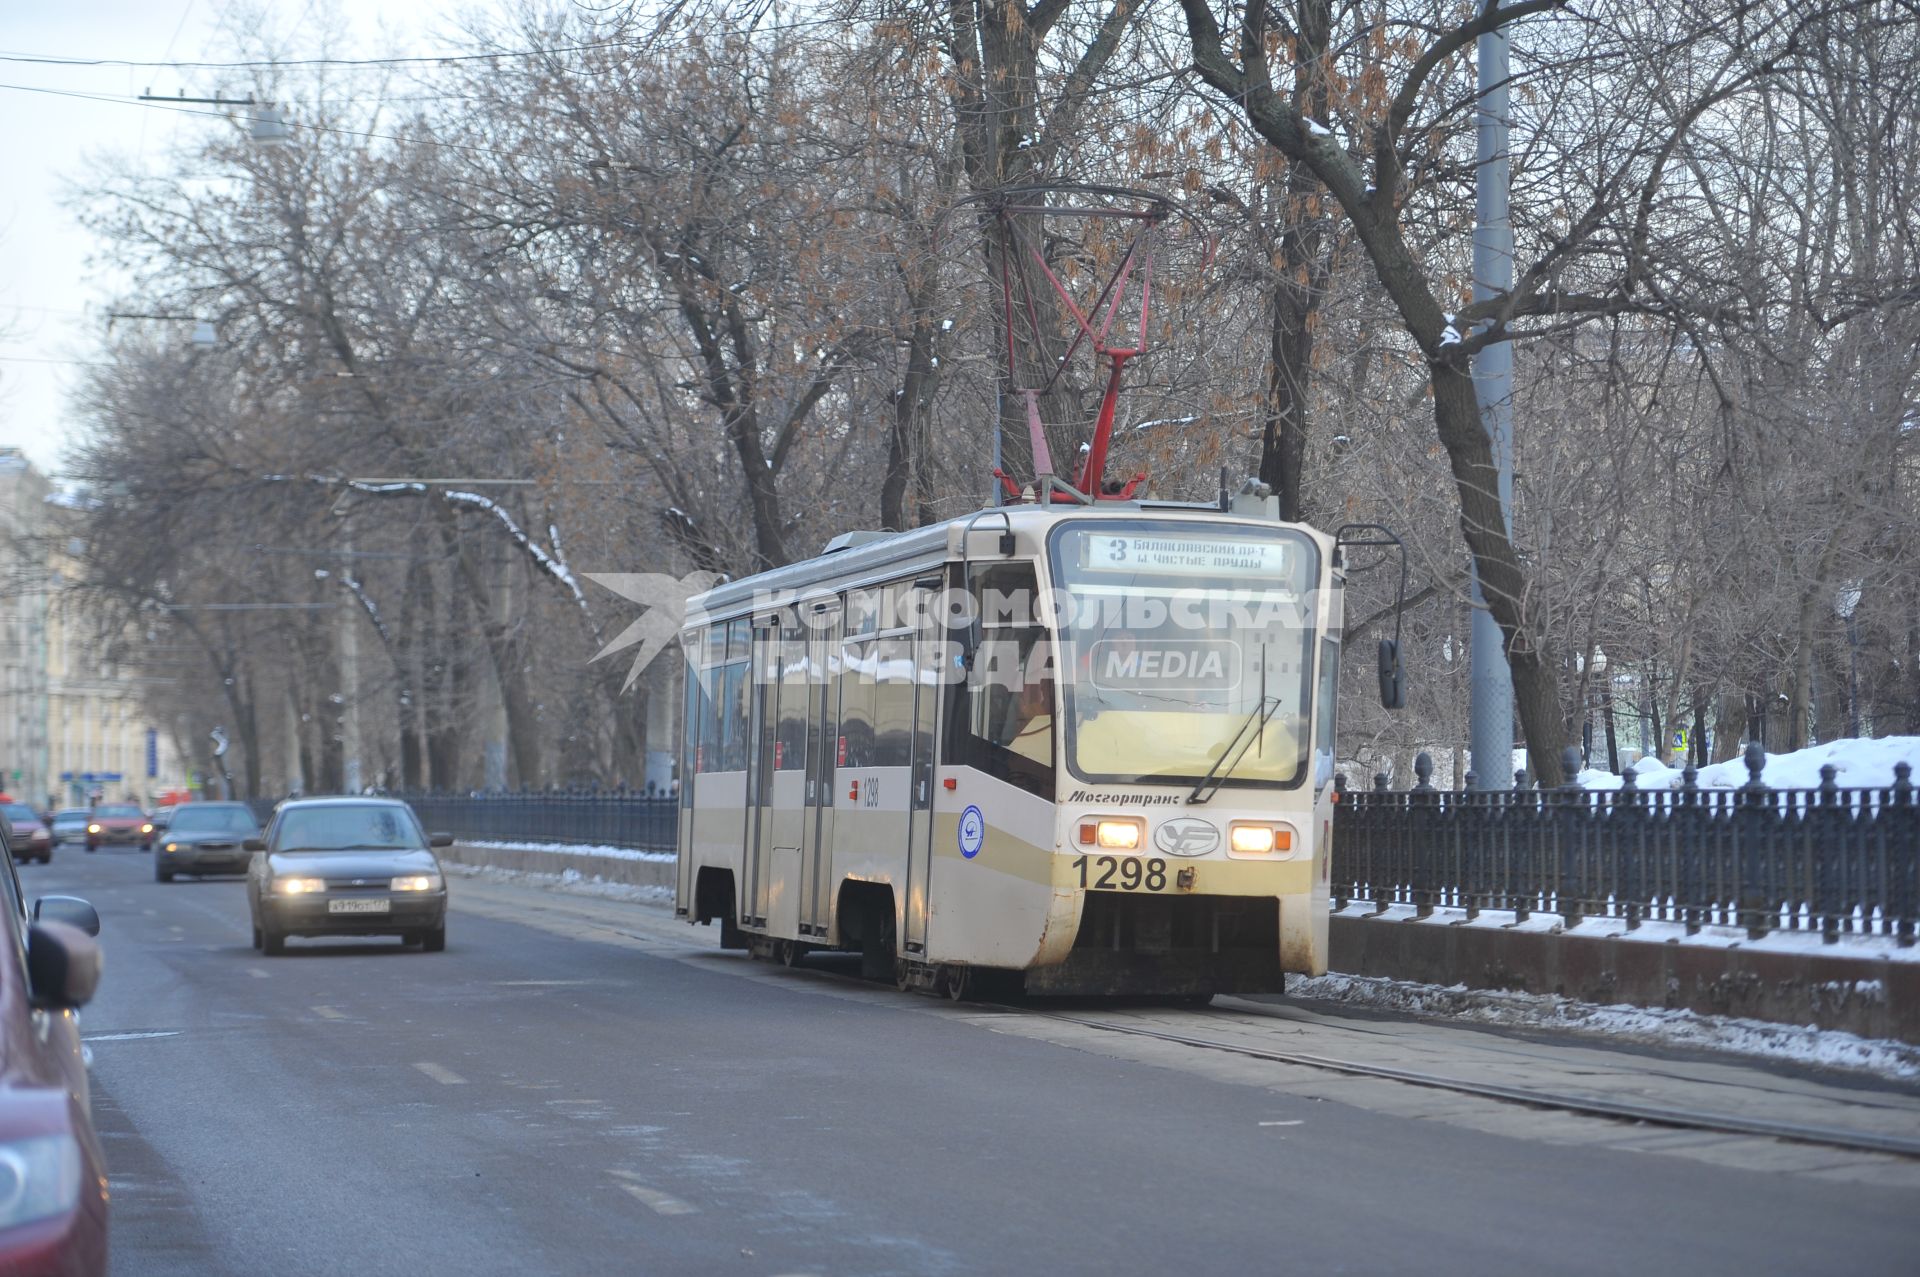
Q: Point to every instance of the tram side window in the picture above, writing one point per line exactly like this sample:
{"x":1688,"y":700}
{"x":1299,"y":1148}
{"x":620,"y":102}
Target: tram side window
{"x":1324,"y":739}
{"x":724,"y":691}
{"x":790,"y":742}
{"x":857,"y":688}
{"x":712,"y":676}
{"x":1005,"y":721}
{"x":689,"y":727}
{"x":893,"y":704}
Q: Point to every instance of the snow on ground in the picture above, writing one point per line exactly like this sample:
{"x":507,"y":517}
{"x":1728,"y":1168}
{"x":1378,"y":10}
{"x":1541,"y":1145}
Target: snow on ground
{"x":574,"y":849}
{"x":1642,"y":1025}
{"x":1859,"y":945}
{"x":1861,"y":764}
{"x":572,"y":881}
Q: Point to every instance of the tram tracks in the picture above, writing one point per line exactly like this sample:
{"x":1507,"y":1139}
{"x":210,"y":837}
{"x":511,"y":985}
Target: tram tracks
{"x":1859,"y":1141}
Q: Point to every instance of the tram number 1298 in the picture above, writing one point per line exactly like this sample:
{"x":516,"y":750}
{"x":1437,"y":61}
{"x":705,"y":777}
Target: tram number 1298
{"x":1121,"y":873}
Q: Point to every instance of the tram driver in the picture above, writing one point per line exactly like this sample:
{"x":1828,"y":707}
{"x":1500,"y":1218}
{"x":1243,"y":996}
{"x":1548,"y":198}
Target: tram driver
{"x":1030,"y":725}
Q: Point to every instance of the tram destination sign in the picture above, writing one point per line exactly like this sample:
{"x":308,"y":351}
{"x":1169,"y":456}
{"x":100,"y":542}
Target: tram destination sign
{"x":1184,"y":556}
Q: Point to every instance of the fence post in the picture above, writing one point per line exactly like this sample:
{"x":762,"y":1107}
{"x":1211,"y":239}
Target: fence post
{"x":1901,"y":821}
{"x":1425,"y":815}
{"x":1382,"y":815}
{"x":1339,"y":859}
{"x":1754,"y":826}
{"x":1574,"y":828}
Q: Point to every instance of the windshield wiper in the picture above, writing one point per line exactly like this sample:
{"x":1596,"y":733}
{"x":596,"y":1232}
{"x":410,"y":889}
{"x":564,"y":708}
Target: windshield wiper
{"x":1242,"y":740}
{"x":1250,"y":731}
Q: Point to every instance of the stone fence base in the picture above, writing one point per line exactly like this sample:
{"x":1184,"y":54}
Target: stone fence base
{"x":1868,"y":996}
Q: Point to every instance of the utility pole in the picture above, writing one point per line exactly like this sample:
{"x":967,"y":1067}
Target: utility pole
{"x":350,"y":768}
{"x":1491,"y":715}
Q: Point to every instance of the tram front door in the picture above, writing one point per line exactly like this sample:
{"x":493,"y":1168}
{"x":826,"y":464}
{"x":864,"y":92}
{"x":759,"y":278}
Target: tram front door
{"x":823,"y":717}
{"x":926,"y":698}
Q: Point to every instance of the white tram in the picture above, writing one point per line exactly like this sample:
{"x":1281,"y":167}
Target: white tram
{"x":1051,"y":748}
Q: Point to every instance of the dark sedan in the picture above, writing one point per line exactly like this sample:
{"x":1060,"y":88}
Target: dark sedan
{"x":206,"y":838}
{"x":31,"y":838}
{"x":121,"y":823}
{"x":347,"y":866}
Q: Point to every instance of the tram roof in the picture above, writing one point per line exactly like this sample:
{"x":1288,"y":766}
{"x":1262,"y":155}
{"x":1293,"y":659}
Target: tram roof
{"x":886,"y":557}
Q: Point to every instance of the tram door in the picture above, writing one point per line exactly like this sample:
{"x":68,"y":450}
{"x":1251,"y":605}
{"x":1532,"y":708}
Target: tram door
{"x":823,"y":718}
{"x":926,"y":699}
{"x":764,"y":704}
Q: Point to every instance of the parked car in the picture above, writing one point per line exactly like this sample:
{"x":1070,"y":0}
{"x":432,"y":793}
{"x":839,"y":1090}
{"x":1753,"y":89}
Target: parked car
{"x":53,"y":1183}
{"x":206,"y":838}
{"x":70,"y":824}
{"x":119,"y":823}
{"x":347,"y":866}
{"x":32,"y":840}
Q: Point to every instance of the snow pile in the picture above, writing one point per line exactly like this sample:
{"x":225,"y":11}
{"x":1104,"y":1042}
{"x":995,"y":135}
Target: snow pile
{"x":572,"y":881}
{"x":574,"y":849}
{"x":1827,"y":1048}
{"x":1860,"y":764}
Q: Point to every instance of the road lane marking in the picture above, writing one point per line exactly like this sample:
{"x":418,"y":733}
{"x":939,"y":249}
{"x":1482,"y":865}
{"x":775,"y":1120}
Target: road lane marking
{"x":538,"y":984}
{"x":444,"y":1076}
{"x":258,"y":974}
{"x":658,"y":1202}
{"x":1296,"y":1122}
{"x":330,"y":1013}
{"x":131,"y":1037}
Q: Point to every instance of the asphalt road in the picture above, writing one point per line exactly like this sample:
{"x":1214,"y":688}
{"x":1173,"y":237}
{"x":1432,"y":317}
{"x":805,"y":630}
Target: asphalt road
{"x":594,"y":1089}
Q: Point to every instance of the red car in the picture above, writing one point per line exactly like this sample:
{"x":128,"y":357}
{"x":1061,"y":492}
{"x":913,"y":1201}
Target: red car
{"x":32,"y":840}
{"x":119,"y":823}
{"x":53,"y":1182}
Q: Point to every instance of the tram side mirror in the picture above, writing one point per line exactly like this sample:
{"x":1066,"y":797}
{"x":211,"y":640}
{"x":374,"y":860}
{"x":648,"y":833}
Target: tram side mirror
{"x":1393,"y":676}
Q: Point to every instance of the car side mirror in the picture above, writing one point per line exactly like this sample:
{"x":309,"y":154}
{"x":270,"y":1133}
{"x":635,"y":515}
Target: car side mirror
{"x":63,"y":966}
{"x":70,"y":911}
{"x":1393,"y":676}
{"x":254,"y":844}
{"x":439,"y":840}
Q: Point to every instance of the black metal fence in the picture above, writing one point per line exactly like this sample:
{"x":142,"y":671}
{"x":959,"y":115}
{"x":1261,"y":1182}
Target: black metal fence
{"x":603,"y":817}
{"x":1825,"y":861}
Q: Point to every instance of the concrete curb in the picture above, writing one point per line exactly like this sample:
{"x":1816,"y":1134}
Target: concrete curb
{"x":634,"y":873}
{"x":1870,"y":997}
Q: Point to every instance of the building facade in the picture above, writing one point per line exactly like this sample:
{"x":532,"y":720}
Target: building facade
{"x":72,"y":725}
{"x":24,"y":756}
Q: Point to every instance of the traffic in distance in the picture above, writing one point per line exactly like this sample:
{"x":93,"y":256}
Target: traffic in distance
{"x":353,"y":867}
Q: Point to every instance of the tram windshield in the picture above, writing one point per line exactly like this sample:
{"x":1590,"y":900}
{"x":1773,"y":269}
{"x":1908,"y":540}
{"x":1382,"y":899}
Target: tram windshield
{"x":1176,"y":637}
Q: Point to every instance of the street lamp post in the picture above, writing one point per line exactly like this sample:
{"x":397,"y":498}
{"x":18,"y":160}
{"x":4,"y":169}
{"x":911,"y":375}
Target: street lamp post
{"x":1606,"y":708}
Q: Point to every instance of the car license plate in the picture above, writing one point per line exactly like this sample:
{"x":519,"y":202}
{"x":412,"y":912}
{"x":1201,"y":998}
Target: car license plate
{"x":1123,"y":873}
{"x":359,"y":906}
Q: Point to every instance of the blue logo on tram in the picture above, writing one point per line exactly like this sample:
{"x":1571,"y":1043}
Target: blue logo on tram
{"x":973,"y":832}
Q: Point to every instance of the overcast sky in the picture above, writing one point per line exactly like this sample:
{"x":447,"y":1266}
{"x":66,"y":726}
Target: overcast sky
{"x":50,"y":298}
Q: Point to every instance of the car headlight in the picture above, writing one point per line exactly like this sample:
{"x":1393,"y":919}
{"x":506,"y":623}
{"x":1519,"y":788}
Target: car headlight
{"x":93,"y":829}
{"x":146,"y":829}
{"x":39,"y":1177}
{"x":298,"y":886}
{"x":173,"y":846}
{"x":417,"y":882}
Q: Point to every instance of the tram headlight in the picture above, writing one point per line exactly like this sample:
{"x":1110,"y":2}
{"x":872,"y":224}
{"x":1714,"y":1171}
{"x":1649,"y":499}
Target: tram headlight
{"x":1258,"y":840}
{"x":1123,"y":835}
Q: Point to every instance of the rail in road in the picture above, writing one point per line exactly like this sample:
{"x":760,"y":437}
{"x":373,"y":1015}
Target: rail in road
{"x":1594,"y":1105}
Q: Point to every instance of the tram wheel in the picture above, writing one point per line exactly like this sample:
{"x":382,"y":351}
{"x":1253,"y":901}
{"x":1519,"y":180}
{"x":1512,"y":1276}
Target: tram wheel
{"x":902,"y":975}
{"x":788,"y":951}
{"x":956,"y":983}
